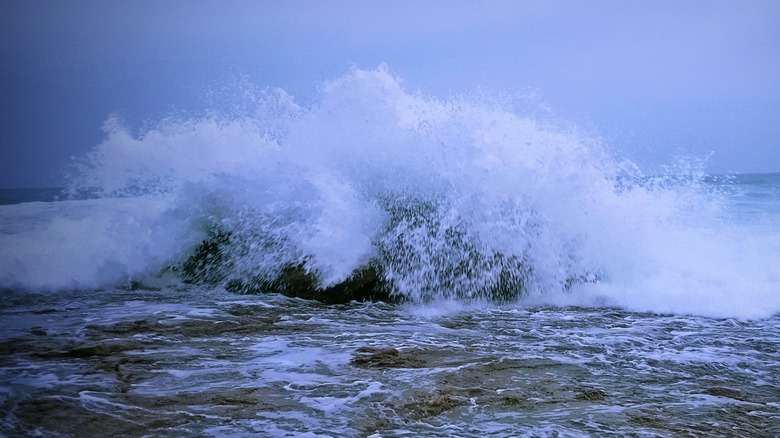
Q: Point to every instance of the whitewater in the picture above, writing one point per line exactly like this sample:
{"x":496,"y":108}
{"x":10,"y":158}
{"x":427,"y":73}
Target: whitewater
{"x":381,"y":262}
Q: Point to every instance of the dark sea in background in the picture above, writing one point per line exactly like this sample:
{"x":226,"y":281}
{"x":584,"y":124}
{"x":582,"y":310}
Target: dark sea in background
{"x":534,"y":284}
{"x":18,"y":196}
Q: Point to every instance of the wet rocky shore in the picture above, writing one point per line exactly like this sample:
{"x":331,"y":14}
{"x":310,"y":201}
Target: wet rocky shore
{"x":188,"y":363}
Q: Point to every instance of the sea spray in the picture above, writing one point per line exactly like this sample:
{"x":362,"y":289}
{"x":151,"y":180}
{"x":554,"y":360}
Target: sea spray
{"x":447,"y":197}
{"x":376,"y":190}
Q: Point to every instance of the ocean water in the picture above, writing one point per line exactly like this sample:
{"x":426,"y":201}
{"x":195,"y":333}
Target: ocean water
{"x":533,"y":282}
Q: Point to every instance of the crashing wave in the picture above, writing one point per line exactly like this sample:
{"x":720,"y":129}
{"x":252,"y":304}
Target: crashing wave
{"x":373,"y":192}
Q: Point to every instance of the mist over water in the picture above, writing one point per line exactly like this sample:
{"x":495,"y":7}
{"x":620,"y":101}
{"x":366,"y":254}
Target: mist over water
{"x":461,"y":199}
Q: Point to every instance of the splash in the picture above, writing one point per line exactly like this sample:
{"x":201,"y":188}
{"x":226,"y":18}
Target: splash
{"x":424,"y":198}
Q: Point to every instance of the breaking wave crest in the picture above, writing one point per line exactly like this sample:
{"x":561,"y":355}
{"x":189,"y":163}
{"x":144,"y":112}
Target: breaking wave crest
{"x":375,"y":192}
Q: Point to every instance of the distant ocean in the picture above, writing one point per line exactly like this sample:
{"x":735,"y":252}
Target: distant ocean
{"x":384,"y":263}
{"x":18,"y":196}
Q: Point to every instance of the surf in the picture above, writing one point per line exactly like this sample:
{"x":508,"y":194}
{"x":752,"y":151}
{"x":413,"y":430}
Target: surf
{"x":376,"y":192}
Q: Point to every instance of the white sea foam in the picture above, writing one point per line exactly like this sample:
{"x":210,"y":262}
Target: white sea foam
{"x":88,"y":243}
{"x":456,"y":198}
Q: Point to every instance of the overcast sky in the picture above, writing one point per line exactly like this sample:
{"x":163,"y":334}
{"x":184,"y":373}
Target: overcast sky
{"x":654,"y":78}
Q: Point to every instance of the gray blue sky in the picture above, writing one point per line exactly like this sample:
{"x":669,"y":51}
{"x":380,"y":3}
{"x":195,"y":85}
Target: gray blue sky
{"x":655,"y":78}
